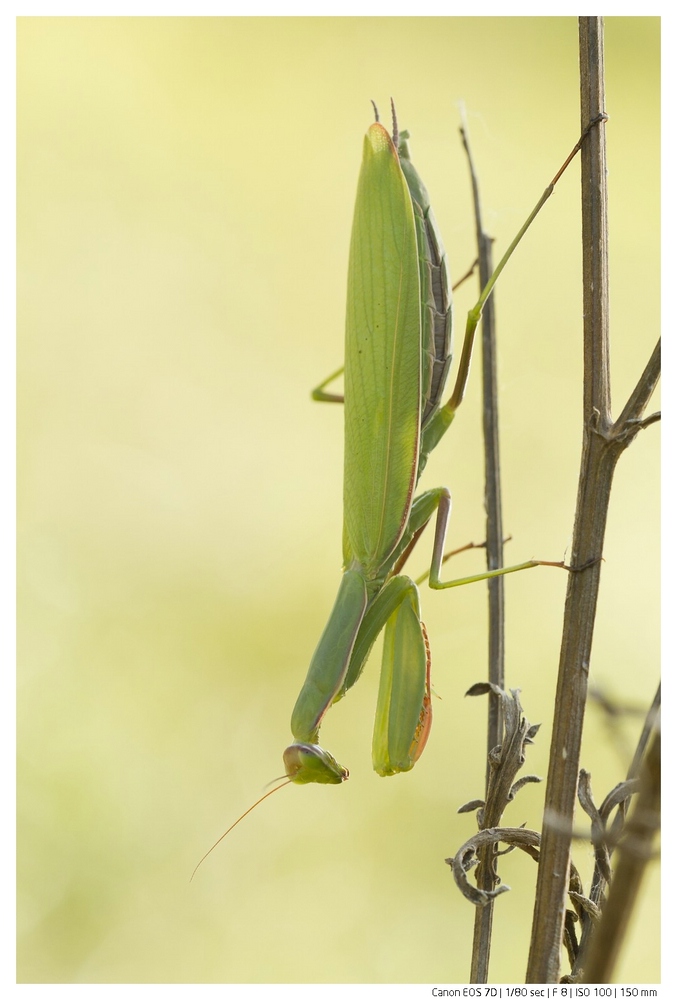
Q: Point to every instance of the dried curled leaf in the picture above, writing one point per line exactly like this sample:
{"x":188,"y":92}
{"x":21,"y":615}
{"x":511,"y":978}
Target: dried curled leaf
{"x":602,"y":859}
{"x":471,"y":806}
{"x":531,"y":732}
{"x":482,"y":687}
{"x":587,"y":905}
{"x":467,"y":857}
{"x":570,"y":938}
{"x":618,"y":795}
{"x":526,"y":780}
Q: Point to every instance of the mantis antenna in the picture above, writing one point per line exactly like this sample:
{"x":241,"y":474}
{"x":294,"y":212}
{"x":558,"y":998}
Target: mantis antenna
{"x":233,"y":825}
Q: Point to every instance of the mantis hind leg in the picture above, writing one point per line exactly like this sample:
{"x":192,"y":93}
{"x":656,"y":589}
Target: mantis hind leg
{"x":439,"y":500}
{"x":422,"y":510}
{"x":443,"y":513}
{"x":393,"y":593}
{"x":403,"y":713}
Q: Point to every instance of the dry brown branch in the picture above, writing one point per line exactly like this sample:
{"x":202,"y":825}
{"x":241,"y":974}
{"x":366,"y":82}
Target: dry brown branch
{"x":603,"y":443}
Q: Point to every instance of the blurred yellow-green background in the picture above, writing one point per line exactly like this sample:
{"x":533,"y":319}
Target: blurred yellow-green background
{"x":185,"y":197}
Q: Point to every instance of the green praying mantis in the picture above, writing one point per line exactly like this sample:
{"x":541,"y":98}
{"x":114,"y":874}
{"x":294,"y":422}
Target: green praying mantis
{"x":397,"y":359}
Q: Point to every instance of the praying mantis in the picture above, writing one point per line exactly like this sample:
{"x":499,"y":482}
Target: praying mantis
{"x":397,"y":359}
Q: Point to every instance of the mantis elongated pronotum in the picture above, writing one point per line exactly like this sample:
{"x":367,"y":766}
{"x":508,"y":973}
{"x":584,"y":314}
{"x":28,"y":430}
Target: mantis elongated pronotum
{"x":397,"y":358}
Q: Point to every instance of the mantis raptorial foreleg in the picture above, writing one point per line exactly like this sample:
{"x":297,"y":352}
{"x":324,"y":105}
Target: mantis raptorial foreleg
{"x":439,"y":500}
{"x":403,"y":709}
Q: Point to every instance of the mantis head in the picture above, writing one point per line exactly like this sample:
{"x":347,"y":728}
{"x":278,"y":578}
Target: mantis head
{"x":306,"y":762}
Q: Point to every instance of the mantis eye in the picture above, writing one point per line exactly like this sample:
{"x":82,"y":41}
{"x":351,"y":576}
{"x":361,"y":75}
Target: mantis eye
{"x":306,"y":762}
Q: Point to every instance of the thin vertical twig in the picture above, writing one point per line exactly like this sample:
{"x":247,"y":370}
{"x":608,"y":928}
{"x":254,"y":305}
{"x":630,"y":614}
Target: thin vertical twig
{"x":486,"y":877}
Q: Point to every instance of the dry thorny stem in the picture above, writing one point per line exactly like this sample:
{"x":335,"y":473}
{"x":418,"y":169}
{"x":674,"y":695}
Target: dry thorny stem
{"x":505,"y":760}
{"x":600,"y":927}
{"x":604,"y":442}
{"x":605,"y":838}
{"x":635,"y":850}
